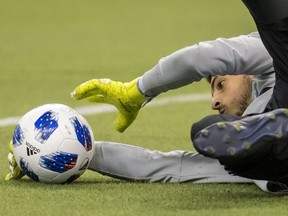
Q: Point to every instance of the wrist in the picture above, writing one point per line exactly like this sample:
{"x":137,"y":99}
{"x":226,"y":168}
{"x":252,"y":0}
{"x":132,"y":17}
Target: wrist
{"x":136,"y":94}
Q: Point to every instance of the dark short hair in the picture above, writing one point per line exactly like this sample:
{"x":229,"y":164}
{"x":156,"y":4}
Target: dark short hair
{"x":209,"y":78}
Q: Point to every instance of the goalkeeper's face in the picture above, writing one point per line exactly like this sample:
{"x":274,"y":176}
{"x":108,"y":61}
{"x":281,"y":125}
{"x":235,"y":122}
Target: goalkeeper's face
{"x":231,"y":94}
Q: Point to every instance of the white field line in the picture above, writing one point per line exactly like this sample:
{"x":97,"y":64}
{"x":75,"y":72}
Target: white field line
{"x":105,"y":108}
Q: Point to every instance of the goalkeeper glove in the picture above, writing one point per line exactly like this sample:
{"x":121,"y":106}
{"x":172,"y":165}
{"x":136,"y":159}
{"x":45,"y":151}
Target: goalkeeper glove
{"x":15,"y":171}
{"x":126,"y":97}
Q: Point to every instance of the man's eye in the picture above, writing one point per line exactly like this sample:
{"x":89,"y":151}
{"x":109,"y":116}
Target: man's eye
{"x":220,"y":84}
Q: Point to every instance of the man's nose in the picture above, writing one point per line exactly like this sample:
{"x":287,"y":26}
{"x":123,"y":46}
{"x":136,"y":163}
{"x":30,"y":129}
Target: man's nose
{"x":215,"y":103}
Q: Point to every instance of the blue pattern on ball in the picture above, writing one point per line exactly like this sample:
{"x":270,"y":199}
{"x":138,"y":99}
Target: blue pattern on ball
{"x":18,"y":136}
{"x":45,"y":126}
{"x":82,"y":133}
{"x":58,"y":161}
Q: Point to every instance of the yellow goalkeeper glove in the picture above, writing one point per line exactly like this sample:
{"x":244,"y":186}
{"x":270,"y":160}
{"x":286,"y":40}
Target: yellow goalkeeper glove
{"x":126,"y":97}
{"x":15,"y":171}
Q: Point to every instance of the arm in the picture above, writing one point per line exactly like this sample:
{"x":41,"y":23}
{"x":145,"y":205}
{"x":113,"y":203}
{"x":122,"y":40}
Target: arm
{"x":239,"y":55}
{"x":115,"y":159}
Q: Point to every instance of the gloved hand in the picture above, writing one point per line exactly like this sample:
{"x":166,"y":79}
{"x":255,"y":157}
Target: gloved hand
{"x":15,"y":171}
{"x":124,"y":96}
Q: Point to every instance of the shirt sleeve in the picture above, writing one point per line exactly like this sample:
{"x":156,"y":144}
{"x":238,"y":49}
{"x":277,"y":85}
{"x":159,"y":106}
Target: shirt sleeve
{"x":244,"y":54}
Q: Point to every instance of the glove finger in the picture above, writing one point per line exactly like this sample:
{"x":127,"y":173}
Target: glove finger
{"x":90,"y":88}
{"x":8,"y":177}
{"x":123,"y":121}
{"x":11,"y":147}
{"x":120,"y":125}
{"x":85,"y":90}
{"x":100,"y":99}
{"x":17,"y":173}
{"x":11,"y":160}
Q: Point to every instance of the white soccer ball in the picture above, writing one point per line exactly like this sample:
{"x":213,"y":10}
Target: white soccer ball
{"x":53,"y":144}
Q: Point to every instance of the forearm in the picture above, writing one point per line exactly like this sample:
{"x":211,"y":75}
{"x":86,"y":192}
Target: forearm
{"x":240,"y":55}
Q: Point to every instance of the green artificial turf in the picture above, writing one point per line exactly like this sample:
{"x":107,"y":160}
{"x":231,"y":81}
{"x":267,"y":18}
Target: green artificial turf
{"x":49,"y":47}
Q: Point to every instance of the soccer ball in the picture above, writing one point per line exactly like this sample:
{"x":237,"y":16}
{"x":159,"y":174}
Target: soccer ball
{"x":53,"y":144}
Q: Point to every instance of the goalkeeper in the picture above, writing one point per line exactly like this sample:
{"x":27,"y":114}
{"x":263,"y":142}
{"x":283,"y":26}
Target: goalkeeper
{"x":223,"y":60}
